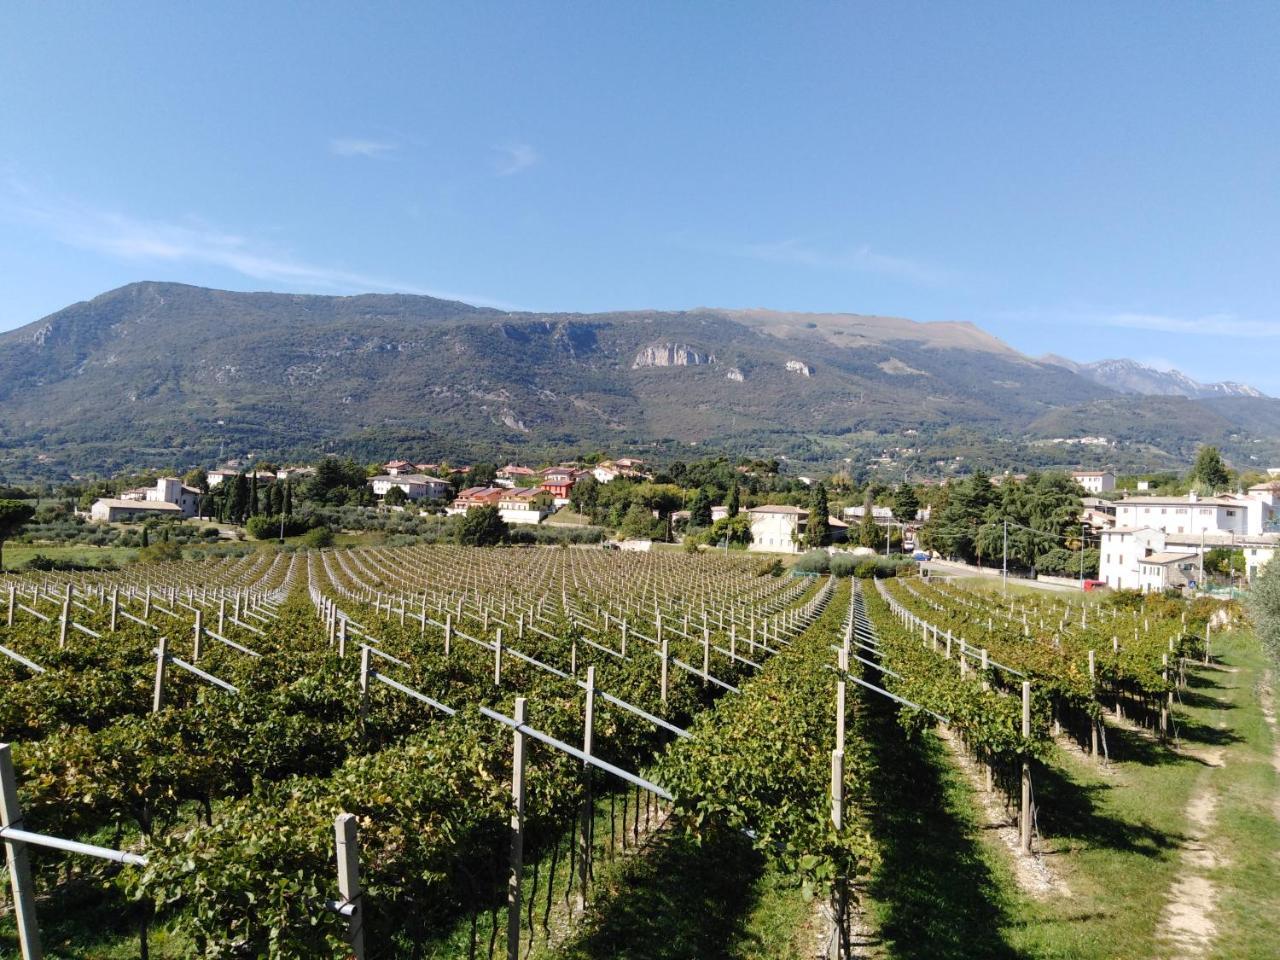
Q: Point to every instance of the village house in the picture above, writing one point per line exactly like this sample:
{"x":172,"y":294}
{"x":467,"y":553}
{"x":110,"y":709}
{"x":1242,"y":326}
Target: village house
{"x":777,"y":529}
{"x":559,"y":481}
{"x":416,"y":486}
{"x":1125,"y":563}
{"x":514,"y":475}
{"x":397,"y":468}
{"x":295,"y":473}
{"x":524,"y":505}
{"x":476,"y":497}
{"x":1162,"y":570}
{"x":113,"y":510}
{"x":1095,"y":481}
{"x":1191,"y":514}
{"x":215,"y":477}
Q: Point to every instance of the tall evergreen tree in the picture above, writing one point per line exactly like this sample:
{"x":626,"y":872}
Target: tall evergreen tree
{"x":734,"y":503}
{"x":700,"y":509}
{"x":253,"y":495}
{"x":1209,"y":472}
{"x":818,"y":529}
{"x":905,"y":503}
{"x":288,"y":498}
{"x":238,"y":502}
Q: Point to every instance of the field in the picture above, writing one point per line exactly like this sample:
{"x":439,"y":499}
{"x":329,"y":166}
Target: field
{"x":567,"y":752}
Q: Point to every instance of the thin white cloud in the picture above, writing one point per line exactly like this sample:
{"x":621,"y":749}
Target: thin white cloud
{"x":513,"y":158}
{"x":353,"y":147}
{"x":192,"y":243}
{"x":1216,"y":325}
{"x":859,"y":259}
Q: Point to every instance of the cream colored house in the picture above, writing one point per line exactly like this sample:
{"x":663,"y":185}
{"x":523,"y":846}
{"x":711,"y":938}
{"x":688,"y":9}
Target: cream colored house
{"x":777,"y":529}
{"x":416,"y":486}
{"x":1095,"y":481}
{"x":528,"y":506}
{"x":110,"y":510}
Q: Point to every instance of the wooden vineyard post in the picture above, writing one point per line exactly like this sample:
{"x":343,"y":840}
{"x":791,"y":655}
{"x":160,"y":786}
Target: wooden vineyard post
{"x":663,"y":677}
{"x":1025,"y":811}
{"x":199,"y":631}
{"x":515,"y":874}
{"x":24,"y":897}
{"x":162,"y":663}
{"x":588,"y":805}
{"x":345,"y":829}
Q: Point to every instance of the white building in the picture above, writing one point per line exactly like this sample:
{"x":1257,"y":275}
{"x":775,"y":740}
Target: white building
{"x":1095,"y":481}
{"x":777,"y":529}
{"x":416,"y":486}
{"x":173,"y":490}
{"x":1121,"y":551}
{"x":1162,"y":570}
{"x":1191,"y":514}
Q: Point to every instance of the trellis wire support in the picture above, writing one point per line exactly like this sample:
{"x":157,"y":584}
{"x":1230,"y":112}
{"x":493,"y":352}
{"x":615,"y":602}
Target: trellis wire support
{"x":24,"y":899}
{"x":345,"y":828}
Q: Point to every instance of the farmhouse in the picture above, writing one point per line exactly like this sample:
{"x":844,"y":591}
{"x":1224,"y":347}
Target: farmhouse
{"x":559,"y":481}
{"x":109,"y":510}
{"x":1161,"y":570}
{"x":514,"y":475}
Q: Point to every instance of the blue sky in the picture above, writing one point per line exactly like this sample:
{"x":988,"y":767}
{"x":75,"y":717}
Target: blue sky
{"x":1095,"y":180}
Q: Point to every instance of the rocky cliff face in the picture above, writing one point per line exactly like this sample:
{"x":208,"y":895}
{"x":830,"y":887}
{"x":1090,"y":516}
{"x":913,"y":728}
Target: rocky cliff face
{"x":671,"y":355}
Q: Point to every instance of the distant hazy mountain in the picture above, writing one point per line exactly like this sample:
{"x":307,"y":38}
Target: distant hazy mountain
{"x":1129,"y":376}
{"x":158,"y":374}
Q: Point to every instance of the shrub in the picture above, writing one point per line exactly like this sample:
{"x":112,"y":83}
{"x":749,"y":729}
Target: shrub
{"x":318,"y":538}
{"x":815,"y":561}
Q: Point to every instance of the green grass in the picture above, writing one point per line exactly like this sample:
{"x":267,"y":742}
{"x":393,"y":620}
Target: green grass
{"x":17,"y":554}
{"x":946,"y":888}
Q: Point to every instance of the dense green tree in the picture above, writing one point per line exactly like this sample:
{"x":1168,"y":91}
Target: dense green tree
{"x":818,"y":530}
{"x":238,"y":499}
{"x":288,"y":498}
{"x":482,"y":527}
{"x":734,"y":502}
{"x":700,"y":509}
{"x":735,"y":529}
{"x":905,"y":503}
{"x":395,"y":497}
{"x":585,"y":495}
{"x":1209,"y":472}
{"x":13,"y":515}
{"x":253,"y":495}
{"x":639,"y":523}
{"x":197,"y":477}
{"x":1264,"y":608}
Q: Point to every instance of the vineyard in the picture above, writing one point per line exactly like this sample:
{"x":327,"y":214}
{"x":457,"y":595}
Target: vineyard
{"x":444,"y":751}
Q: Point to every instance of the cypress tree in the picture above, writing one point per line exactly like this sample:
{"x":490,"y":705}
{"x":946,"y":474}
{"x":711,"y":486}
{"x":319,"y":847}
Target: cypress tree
{"x":818,"y":531}
{"x":288,"y":498}
{"x":146,"y":540}
{"x":253,"y":495}
{"x":734,"y":503}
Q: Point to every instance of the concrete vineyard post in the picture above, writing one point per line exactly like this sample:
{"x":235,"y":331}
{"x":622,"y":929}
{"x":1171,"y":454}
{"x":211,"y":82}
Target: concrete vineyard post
{"x":515,"y":873}
{"x":348,"y":847}
{"x":65,"y":620}
{"x":24,"y":897}
{"x":497,"y":659}
{"x":162,"y":662}
{"x":12,"y":603}
{"x":1025,"y":810}
{"x":342,"y":637}
{"x":588,"y":806}
{"x":663,"y":678}
{"x":837,"y":789}
{"x":1093,"y":685}
{"x":115,"y":608}
{"x":199,"y":632}
{"x":364,"y":679}
{"x":448,"y":633}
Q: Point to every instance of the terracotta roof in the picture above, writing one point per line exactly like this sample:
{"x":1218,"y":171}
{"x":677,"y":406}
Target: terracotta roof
{"x":157,"y":505}
{"x":783,"y":509}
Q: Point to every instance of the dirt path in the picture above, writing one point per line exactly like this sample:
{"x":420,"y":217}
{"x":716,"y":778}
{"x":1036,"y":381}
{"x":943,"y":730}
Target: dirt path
{"x":1034,"y":876}
{"x":1267,"y":697}
{"x":1187,"y":923}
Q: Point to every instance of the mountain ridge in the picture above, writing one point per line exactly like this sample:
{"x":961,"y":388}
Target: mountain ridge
{"x":162,"y":373}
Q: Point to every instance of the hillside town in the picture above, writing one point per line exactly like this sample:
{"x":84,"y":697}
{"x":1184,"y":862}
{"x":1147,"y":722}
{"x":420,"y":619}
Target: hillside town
{"x":1147,"y":534}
